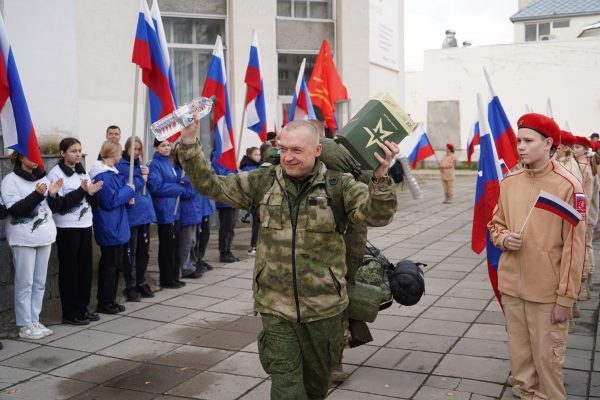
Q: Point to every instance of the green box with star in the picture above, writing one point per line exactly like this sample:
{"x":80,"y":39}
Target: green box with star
{"x":379,"y":120}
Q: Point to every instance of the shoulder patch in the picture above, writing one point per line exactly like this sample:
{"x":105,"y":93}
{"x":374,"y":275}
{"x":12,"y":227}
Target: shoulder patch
{"x":580,"y":204}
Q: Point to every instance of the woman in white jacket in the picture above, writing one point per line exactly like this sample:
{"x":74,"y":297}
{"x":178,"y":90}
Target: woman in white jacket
{"x":30,"y":232}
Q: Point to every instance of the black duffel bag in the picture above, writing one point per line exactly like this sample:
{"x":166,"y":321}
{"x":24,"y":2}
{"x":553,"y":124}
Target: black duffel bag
{"x":407,"y":282}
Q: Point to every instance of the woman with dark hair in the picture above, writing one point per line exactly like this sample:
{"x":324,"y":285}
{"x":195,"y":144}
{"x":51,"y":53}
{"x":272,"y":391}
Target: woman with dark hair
{"x":166,"y":185}
{"x":111,"y":226}
{"x":140,"y":215}
{"x":27,"y":194}
{"x":73,"y":219}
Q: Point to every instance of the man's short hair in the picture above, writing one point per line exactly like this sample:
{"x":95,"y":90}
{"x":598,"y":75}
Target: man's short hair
{"x":594,"y":136}
{"x":318,"y":126}
{"x":251,"y":150}
{"x":303,"y":124}
{"x":271,"y":135}
{"x":113,"y":127}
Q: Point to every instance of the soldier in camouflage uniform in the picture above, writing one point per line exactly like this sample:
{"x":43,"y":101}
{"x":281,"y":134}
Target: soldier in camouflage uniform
{"x":299,"y":278}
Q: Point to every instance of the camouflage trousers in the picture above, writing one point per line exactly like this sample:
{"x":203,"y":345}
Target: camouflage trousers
{"x":300,"y":356}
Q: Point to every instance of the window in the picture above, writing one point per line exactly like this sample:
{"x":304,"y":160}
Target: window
{"x":530,"y":32}
{"x":288,"y":67}
{"x":313,"y":9}
{"x":541,"y":31}
{"x":561,"y":24}
{"x":191,"y":42}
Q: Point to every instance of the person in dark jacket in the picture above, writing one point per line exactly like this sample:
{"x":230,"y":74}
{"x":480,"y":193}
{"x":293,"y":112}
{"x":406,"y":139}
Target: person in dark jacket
{"x":140,"y":215}
{"x":73,"y":219}
{"x":227,"y":219}
{"x":249,"y":162}
{"x":111,"y":225}
{"x":166,"y":185}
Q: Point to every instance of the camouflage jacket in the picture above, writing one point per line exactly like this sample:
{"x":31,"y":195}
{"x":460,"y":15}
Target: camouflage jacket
{"x":300,"y":260}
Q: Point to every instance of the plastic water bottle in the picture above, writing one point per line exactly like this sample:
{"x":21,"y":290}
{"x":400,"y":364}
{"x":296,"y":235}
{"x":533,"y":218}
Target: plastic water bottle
{"x":170,"y":124}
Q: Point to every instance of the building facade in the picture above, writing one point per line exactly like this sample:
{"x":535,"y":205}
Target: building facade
{"x":74,"y":56}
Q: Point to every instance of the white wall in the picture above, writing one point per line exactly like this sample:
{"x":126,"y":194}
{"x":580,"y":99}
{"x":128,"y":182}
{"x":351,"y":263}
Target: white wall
{"x":45,"y":54}
{"x":525,"y":73}
{"x":576,"y":25}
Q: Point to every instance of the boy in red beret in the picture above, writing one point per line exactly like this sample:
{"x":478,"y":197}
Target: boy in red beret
{"x":540,"y":268}
{"x":590,"y":187}
{"x":447,"y":164}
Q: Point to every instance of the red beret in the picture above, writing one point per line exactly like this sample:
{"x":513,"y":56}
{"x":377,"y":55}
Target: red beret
{"x":450,"y":146}
{"x":595,"y":145}
{"x":541,"y":124}
{"x":567,"y":138}
{"x":582,"y":140}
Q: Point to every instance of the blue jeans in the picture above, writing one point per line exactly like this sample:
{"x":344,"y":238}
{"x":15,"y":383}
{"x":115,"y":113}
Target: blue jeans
{"x":31,"y":267}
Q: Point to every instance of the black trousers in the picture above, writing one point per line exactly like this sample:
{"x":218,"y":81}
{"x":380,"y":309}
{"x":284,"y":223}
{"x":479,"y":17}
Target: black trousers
{"x":227,"y":217}
{"x":111,"y":259}
{"x":255,"y":226}
{"x":135,"y":259}
{"x":74,"y":270}
{"x":168,"y":253}
{"x":202,"y":238}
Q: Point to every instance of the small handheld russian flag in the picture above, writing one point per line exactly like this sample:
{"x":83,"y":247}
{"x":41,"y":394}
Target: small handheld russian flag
{"x":549,"y":202}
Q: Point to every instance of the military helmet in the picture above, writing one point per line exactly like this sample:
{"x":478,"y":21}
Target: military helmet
{"x":407,"y":282}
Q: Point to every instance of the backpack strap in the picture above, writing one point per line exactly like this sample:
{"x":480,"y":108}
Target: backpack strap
{"x":334,"y":189}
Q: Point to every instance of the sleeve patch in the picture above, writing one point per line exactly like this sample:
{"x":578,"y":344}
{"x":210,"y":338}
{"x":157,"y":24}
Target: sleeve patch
{"x":580,"y":204}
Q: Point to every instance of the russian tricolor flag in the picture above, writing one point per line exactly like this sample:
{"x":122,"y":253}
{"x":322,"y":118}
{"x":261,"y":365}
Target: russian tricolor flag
{"x":255,"y":95}
{"x":416,"y":146}
{"x":216,"y":85}
{"x":147,"y":53}
{"x":17,"y":127}
{"x":164,"y":49}
{"x":549,"y":202}
{"x":472,"y":141}
{"x":301,"y":107}
{"x":486,"y":197}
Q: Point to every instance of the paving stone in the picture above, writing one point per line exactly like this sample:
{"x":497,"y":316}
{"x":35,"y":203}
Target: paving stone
{"x":457,"y":302}
{"x":436,"y":327}
{"x":232,"y":307}
{"x":127,"y":326}
{"x":11,"y":375}
{"x":138,"y":349}
{"x":381,"y":336}
{"x":191,"y":301}
{"x":152,"y":378}
{"x":595,"y":384}
{"x":108,"y":393}
{"x":478,"y":368}
{"x":15,"y":347}
{"x":487,"y":331}
{"x":175,"y":333}
{"x":450,"y":314}
{"x":391,"y":322}
{"x":159,"y":312}
{"x":430,"y":393}
{"x":447,"y":266}
{"x":405,"y":360}
{"x":481,"y":348}
{"x":219,"y":292}
{"x":247,"y":364}
{"x":575,"y":341}
{"x":95,"y":369}
{"x":445,"y":274}
{"x":45,"y":387}
{"x":384,"y":382}
{"x":358,"y":355}
{"x":215,"y":386}
{"x":207,"y":319}
{"x":227,"y":340}
{"x":339,"y":394}
{"x":491,"y":317}
{"x":239,"y":283}
{"x":89,"y":340}
{"x":404,"y":311}
{"x":482,"y":388}
{"x":417,"y":341}
{"x":261,"y":392}
{"x":576,"y":382}
{"x":471,"y":293}
{"x":43,"y":359}
{"x":578,"y":359}
{"x":198,"y":358}
{"x":597,"y":361}
{"x":245,"y":324}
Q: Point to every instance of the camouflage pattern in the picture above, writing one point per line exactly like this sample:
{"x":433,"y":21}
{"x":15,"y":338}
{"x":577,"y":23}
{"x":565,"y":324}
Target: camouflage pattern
{"x":299,"y":357}
{"x":300,"y":266}
{"x":373,"y":273}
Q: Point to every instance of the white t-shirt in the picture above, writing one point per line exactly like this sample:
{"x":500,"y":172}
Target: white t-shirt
{"x":80,"y":216}
{"x":38,"y":229}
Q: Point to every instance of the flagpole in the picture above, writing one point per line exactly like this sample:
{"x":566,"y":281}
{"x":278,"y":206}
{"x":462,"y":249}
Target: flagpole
{"x":239,"y":141}
{"x":526,"y":219}
{"x":489,"y":82}
{"x":549,"y":109}
{"x":133,"y":125}
{"x":145,"y":138}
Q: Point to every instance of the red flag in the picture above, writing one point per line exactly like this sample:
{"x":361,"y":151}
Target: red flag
{"x":326,"y":87}
{"x":285,"y":118}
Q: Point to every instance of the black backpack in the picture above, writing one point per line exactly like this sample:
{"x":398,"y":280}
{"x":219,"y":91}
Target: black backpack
{"x":407,"y":282}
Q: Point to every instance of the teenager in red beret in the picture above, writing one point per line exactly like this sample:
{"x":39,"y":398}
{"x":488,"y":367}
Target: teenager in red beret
{"x":564,"y":154}
{"x":590,"y":186}
{"x":447,"y":164}
{"x":539,"y":273}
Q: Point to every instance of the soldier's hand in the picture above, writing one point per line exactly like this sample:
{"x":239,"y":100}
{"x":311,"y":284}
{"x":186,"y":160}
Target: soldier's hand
{"x":560,"y":314}
{"x":513,"y":241}
{"x":188,"y":134}
{"x":390,"y":150}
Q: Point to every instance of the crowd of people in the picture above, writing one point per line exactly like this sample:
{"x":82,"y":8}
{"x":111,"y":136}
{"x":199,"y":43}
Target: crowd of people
{"x":72,"y":207}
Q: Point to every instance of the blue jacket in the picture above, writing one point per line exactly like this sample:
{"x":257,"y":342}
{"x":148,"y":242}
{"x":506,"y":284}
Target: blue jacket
{"x":111,"y":225}
{"x":142,"y":212}
{"x":190,"y":205}
{"x":163,"y":183}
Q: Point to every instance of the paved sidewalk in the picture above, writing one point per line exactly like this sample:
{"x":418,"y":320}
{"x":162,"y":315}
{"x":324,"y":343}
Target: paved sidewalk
{"x":200,"y":341}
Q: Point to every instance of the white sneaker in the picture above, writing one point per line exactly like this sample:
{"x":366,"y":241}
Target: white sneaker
{"x":252,"y":252}
{"x":30,"y":332}
{"x":45,"y":331}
